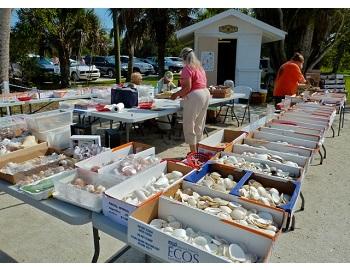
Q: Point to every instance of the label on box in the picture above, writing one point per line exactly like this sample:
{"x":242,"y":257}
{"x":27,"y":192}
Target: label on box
{"x":117,"y":211}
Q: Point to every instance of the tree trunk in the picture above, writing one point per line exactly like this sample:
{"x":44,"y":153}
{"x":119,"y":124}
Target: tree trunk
{"x":63,"y":54}
{"x":5,"y":15}
{"x":161,"y":55}
{"x":116,"y":47}
{"x":338,"y":57}
{"x":130,"y":62}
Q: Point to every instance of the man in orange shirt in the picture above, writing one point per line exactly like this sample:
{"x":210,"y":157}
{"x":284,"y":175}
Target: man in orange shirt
{"x":288,"y":78}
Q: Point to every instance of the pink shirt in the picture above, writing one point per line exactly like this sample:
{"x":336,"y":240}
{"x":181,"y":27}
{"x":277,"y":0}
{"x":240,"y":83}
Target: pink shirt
{"x":197,"y":75}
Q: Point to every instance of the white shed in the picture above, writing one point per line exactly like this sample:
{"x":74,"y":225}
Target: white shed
{"x":229,"y":46}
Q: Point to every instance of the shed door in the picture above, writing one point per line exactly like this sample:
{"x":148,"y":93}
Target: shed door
{"x":226,"y":60}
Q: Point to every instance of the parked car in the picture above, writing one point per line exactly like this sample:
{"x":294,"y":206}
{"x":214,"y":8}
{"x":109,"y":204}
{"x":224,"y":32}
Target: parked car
{"x":174,"y":64}
{"x":80,"y":71}
{"x":151,"y":61}
{"x":138,"y":65}
{"x":106,"y":65}
{"x":43,"y":70}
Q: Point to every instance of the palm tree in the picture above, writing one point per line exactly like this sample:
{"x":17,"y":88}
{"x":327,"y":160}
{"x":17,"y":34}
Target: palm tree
{"x":115,"y":13}
{"x":134,"y":20}
{"x":5,"y":15}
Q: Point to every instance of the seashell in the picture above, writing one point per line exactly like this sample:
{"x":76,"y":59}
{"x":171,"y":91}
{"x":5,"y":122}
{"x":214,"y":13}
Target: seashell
{"x":265,"y":201}
{"x":291,"y":164}
{"x":224,"y":215}
{"x":218,"y":187}
{"x":212,"y":248}
{"x":262,"y":223}
{"x":238,"y":214}
{"x":275,"y":198}
{"x":230,"y":177}
{"x":255,"y":196}
{"x":225,"y":250}
{"x":236,"y":253}
{"x":212,"y":210}
{"x":202,"y":204}
{"x":243,"y":193}
{"x":195,"y":195}
{"x":233,"y":205}
{"x":271,"y":228}
{"x":229,"y":184}
{"x":246,"y":187}
{"x":140,"y":195}
{"x":180,"y":233}
{"x":90,"y":188}
{"x":175,"y":225}
{"x":100,"y":189}
{"x":273,"y":190}
{"x":216,"y":242}
{"x":162,"y":182}
{"x":232,"y":159}
{"x":192,"y":201}
{"x":176,"y":174}
{"x":262,"y":191}
{"x":168,"y":230}
{"x":132,"y":201}
{"x":266,"y":215}
{"x":242,"y":222}
{"x":158,"y":223}
{"x":220,"y":201}
{"x":190,"y":232}
{"x":262,"y":156}
{"x":200,"y":241}
{"x":170,"y":218}
{"x":207,"y":198}
{"x":226,"y":209}
{"x":215,"y":175}
{"x":280,"y":159}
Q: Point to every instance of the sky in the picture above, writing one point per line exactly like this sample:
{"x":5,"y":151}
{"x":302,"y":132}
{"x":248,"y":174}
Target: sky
{"x":102,"y":13}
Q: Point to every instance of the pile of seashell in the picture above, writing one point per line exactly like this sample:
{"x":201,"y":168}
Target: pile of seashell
{"x":262,"y":221}
{"x":132,"y":165}
{"x":87,"y":151}
{"x":272,"y":158}
{"x":81,"y":184}
{"x":215,"y":181}
{"x":154,"y":186}
{"x":263,"y":147}
{"x":268,"y":196}
{"x":13,"y":168}
{"x":63,"y":165}
{"x":233,"y":252}
{"x":241,"y":163}
{"x":16,"y":143}
{"x":9,"y":133}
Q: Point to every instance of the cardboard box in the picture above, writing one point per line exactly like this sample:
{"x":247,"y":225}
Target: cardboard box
{"x":299,"y":124}
{"x":219,"y":141}
{"x":291,"y":188}
{"x":296,"y":173}
{"x":82,"y":198}
{"x":115,"y":154}
{"x":23,"y":151}
{"x":302,"y":130}
{"x":118,"y":210}
{"x":291,"y":133}
{"x":279,"y":215}
{"x":293,"y":141}
{"x":195,"y":176}
{"x":300,"y":160}
{"x":22,"y":156}
{"x":290,"y":149}
{"x":165,"y":247}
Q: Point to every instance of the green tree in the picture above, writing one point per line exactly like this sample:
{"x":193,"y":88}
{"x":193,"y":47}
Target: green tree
{"x":313,"y":32}
{"x":117,"y":23}
{"x":60,"y":28}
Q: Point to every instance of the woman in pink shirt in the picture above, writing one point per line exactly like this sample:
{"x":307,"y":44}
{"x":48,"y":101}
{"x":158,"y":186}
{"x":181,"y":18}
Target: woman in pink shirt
{"x":196,"y":98}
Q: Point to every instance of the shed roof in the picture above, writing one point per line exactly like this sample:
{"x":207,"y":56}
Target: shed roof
{"x":269,"y":33}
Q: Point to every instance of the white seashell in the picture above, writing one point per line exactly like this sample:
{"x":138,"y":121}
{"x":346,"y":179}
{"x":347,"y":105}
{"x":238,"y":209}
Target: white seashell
{"x":242,"y":222}
{"x":262,"y":191}
{"x":132,"y":201}
{"x":271,"y":228}
{"x":192,"y":201}
{"x":180,"y":233}
{"x":232,"y":159}
{"x":224,"y":215}
{"x":168,"y":230}
{"x":158,"y":223}
{"x":236,"y":253}
{"x":243,"y":193}
{"x":255,"y":196}
{"x":216,"y":242}
{"x":212,"y":248}
{"x":170,"y":218}
{"x":218,"y":187}
{"x":275,"y":198}
{"x":229,"y":184}
{"x":292,"y":164}
{"x":238,"y":214}
{"x":175,"y":225}
{"x":226,"y":209}
{"x":266,"y":215}
{"x":233,"y":205}
{"x":195,"y":195}
{"x":140,"y":195}
{"x":215,"y":175}
{"x":230,"y":177}
{"x":162,"y":182}
{"x":262,"y":156}
{"x":273,"y":190}
{"x":200,"y":241}
{"x":265,"y":201}
{"x":190,"y":232}
{"x":212,"y":210}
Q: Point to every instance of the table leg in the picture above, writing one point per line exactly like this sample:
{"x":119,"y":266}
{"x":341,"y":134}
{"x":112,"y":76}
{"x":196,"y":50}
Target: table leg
{"x":128,"y":125}
{"x":333,"y":131}
{"x":293,"y":223}
{"x":10,"y":110}
{"x":96,"y":245}
{"x":30,"y":108}
{"x":325,"y":151}
{"x":302,"y":201}
{"x":342,"y":124}
{"x":340,"y":119}
{"x":21,"y":109}
{"x":118,"y":254}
